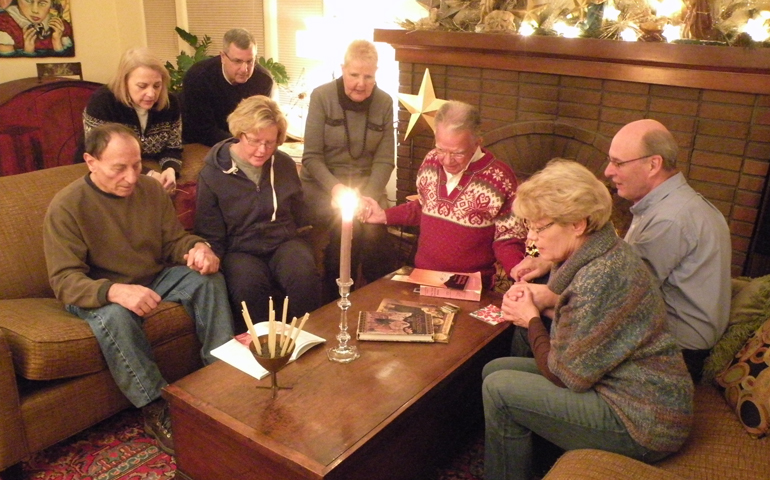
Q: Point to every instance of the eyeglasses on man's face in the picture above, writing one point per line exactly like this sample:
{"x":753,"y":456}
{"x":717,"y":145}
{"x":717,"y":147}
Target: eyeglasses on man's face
{"x":537,"y":230}
{"x":453,"y":155}
{"x":253,"y":142}
{"x":238,"y":62}
{"x":619,"y":163}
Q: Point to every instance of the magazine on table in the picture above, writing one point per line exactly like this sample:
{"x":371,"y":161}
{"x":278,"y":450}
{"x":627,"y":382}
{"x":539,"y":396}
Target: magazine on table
{"x":395,"y":326}
{"x":236,"y":352}
{"x":442,"y":314}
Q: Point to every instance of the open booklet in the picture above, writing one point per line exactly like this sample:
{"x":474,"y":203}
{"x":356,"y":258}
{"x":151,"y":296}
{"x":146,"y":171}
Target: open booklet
{"x":236,"y":352}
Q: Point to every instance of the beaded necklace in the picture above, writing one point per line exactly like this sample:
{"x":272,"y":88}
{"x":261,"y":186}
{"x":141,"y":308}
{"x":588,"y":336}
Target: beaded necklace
{"x":347,"y":104}
{"x":347,"y":134}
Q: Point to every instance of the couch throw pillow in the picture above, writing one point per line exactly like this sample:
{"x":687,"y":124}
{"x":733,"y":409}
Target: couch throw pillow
{"x":749,"y":308}
{"x":752,"y":301}
{"x":184,"y":203}
{"x":747,"y":383}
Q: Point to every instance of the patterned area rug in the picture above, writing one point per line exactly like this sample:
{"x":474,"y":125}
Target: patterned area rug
{"x":115,"y":449}
{"x":119,"y":449}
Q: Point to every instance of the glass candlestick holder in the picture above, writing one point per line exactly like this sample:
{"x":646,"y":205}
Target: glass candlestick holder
{"x":343,"y":353}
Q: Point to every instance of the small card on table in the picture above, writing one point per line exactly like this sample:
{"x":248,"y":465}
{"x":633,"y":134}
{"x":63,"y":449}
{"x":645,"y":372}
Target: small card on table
{"x":490,"y":314}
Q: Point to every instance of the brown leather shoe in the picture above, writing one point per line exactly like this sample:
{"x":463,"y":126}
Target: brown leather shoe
{"x":157,"y":423}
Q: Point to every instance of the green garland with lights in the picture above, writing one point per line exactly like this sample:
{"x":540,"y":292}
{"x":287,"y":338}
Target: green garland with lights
{"x":700,"y":22}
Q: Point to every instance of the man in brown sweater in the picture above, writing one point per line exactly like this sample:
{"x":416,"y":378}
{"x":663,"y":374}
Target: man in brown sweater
{"x":114,"y":250}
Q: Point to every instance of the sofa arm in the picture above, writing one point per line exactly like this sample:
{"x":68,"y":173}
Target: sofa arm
{"x":13,"y":444}
{"x":589,"y":464}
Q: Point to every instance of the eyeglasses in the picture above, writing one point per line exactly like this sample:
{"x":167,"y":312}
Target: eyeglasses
{"x":453,"y":155}
{"x":257,"y":143}
{"x":537,"y":230}
{"x":620,"y":163}
{"x":238,"y":62}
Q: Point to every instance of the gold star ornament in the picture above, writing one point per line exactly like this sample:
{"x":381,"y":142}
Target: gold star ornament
{"x":424,"y":104}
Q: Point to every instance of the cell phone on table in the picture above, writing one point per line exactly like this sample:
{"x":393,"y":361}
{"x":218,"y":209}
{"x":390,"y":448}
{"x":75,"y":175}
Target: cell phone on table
{"x":457,"y":281}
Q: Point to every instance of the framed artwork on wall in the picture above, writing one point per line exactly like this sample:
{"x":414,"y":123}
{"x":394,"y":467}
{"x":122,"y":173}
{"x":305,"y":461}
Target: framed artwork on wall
{"x":36,"y":28}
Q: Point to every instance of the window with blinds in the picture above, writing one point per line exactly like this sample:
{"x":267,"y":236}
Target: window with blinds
{"x":214,"y":19}
{"x":206,"y":18}
{"x":160,"y":20}
{"x":291,"y":19}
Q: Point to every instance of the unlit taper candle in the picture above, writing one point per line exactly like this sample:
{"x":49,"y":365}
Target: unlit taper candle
{"x":271,"y":330}
{"x":283,"y":323}
{"x":288,"y":340}
{"x":250,"y":327}
{"x":299,"y":330}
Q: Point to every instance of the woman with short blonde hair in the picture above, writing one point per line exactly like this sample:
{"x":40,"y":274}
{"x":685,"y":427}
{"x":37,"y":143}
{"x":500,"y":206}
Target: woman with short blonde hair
{"x":349,"y":148}
{"x":565,"y":192}
{"x":250,"y":205}
{"x":256,"y":113}
{"x":608,"y":375}
{"x":138,"y":96}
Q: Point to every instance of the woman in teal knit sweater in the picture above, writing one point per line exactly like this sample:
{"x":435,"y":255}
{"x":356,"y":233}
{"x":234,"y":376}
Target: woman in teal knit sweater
{"x":608,"y":375}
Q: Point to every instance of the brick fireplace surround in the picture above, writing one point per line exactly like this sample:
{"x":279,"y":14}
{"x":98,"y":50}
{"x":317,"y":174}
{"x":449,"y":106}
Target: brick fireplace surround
{"x":542,"y":97}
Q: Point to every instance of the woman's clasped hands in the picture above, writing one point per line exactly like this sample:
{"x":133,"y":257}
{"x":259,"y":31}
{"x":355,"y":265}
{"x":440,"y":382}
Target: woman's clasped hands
{"x":519,"y":305}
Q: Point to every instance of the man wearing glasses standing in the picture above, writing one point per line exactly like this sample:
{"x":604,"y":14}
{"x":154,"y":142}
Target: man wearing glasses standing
{"x":214,"y":87}
{"x":464,"y":208}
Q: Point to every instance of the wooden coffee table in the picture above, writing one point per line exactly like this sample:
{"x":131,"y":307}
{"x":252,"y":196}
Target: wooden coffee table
{"x":393,"y":413}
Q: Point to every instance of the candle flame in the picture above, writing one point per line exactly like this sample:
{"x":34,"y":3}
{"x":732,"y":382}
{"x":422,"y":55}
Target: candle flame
{"x":348,"y":204}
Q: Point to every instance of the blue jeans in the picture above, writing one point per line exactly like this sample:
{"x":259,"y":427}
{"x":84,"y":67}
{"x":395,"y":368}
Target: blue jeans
{"x":125,"y":346}
{"x":518,"y":400}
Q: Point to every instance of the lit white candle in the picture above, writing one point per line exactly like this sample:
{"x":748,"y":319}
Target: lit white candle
{"x":348,"y":205}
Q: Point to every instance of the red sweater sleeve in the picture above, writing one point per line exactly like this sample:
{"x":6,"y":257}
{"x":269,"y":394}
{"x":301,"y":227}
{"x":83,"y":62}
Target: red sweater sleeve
{"x":408,"y":213}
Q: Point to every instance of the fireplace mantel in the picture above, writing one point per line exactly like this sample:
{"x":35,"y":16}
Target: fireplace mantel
{"x":541,"y":97}
{"x":731,"y":69}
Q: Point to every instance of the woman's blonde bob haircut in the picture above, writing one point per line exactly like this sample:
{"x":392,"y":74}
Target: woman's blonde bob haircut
{"x":565,"y":192}
{"x":255,"y":113}
{"x":132,"y":59}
